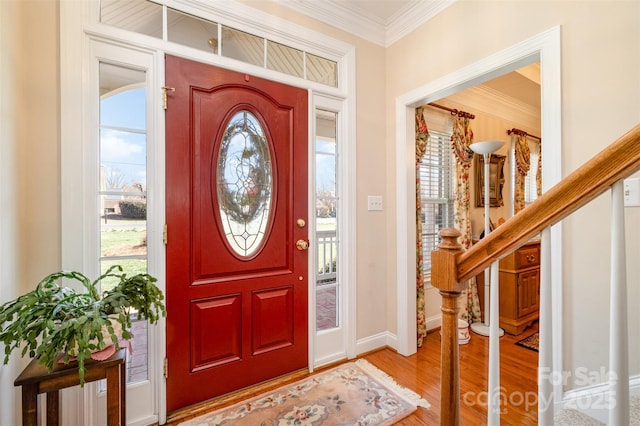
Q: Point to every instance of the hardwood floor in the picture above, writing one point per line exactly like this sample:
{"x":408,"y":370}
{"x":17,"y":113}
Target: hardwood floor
{"x":421,"y":373}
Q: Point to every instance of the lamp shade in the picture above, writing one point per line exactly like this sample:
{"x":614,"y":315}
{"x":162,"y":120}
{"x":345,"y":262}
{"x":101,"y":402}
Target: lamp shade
{"x":486,"y":147}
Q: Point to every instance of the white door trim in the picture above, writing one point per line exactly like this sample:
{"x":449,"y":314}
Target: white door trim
{"x":337,"y":343}
{"x":78,"y":25}
{"x":544,"y":47}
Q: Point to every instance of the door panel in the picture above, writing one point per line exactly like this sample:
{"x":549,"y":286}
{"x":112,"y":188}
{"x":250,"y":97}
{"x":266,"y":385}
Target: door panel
{"x":272,"y":318}
{"x":212,"y":347}
{"x":214,"y":259}
{"x":236,"y":184}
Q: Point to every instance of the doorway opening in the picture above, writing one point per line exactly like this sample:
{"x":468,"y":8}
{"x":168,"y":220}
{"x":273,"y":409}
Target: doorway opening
{"x":543,"y":48}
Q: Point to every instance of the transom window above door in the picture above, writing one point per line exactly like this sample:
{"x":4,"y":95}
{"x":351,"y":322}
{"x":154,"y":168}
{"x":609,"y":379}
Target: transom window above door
{"x":146,"y":17}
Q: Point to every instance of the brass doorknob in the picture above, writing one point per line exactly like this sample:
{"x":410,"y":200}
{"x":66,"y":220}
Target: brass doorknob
{"x":302,"y":245}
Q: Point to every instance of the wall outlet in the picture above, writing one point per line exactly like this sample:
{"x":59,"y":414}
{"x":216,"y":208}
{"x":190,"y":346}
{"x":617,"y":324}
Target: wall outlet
{"x":632,"y":192}
{"x":374,"y":202}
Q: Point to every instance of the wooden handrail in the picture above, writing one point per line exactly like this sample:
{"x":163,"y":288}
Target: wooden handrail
{"x":451,"y":267}
{"x":618,"y":161}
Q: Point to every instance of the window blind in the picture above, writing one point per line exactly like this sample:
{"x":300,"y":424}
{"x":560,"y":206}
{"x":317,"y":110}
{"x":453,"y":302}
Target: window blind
{"x":436,"y":193}
{"x":530,"y":187}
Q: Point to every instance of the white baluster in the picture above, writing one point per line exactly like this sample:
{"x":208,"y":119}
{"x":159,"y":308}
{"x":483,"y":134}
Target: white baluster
{"x":493,"y":409}
{"x":545,"y":354}
{"x":618,"y":334}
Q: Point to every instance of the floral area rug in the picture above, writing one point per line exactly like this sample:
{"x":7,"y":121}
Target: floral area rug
{"x":355,"y":393}
{"x":530,"y":342}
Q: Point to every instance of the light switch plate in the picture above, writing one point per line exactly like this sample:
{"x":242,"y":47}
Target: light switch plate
{"x":374,"y":202}
{"x":632,"y":192}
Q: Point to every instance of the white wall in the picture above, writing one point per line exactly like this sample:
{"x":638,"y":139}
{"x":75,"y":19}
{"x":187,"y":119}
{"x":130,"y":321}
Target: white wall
{"x":492,"y":124}
{"x":29,"y":162}
{"x":374,"y":301}
{"x":9,"y":13}
{"x":601,"y":82}
{"x":33,"y":30}
{"x":600,"y":101}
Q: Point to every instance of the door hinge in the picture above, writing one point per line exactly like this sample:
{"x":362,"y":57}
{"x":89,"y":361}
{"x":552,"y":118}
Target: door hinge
{"x":166,"y":368}
{"x":164,"y":234}
{"x":166,"y":89}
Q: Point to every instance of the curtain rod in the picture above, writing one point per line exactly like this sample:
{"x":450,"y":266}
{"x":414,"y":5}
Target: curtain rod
{"x":454,"y":111}
{"x":523,"y":133}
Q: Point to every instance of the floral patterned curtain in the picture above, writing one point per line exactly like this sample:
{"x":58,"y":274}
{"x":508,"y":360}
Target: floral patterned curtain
{"x":462,"y":137}
{"x":522,"y":156}
{"x":539,"y":174}
{"x":422,"y":134}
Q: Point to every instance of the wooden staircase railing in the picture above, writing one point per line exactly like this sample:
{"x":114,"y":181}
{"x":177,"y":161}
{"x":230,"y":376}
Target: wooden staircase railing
{"x":451,"y":266}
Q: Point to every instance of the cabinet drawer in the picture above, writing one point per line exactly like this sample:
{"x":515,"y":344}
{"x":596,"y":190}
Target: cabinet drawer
{"x":529,"y":256}
{"x":525,"y":257}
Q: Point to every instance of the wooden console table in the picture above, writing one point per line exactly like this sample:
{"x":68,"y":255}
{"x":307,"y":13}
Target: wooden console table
{"x":36,"y":379}
{"x":519,"y":288}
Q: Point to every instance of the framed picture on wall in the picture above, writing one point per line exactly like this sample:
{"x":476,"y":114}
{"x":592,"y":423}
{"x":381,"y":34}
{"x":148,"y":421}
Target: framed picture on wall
{"x":496,"y":180}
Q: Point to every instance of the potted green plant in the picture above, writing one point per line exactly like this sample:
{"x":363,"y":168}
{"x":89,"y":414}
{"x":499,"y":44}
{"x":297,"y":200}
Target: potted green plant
{"x":52,"y":319}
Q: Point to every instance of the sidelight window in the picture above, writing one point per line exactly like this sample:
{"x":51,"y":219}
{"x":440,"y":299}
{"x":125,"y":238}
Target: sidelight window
{"x":122,"y":187}
{"x":328,"y":291}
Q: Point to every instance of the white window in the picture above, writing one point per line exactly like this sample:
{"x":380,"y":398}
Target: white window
{"x":111,"y":200}
{"x":334,"y":307}
{"x":436,"y":194}
{"x":145,"y":17}
{"x":530,"y":186}
{"x":328,"y":298}
{"x":122,"y":187}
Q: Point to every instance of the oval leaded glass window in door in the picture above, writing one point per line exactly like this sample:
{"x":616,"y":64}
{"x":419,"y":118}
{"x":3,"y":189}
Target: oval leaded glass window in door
{"x":244,"y":183}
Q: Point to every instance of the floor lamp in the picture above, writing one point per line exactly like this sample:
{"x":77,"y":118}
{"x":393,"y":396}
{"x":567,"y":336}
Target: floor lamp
{"x":485,"y":149}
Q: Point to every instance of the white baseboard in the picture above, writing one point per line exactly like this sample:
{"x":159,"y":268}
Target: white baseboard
{"x":376,"y":341}
{"x":434,"y":322}
{"x":329,"y":359}
{"x":593,"y":400}
{"x":383,"y":339}
{"x":367,"y":344}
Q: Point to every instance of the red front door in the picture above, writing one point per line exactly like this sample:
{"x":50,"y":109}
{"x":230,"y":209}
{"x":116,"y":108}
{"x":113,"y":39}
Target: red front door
{"x":236,"y":182}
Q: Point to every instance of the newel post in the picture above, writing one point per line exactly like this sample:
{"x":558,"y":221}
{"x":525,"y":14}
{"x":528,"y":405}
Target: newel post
{"x":444,"y":276}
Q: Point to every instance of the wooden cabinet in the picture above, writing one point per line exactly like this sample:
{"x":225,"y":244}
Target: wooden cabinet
{"x":519,"y":288}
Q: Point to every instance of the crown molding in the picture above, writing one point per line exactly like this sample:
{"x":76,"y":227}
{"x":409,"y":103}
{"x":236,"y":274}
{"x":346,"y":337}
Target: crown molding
{"x":342,"y":16}
{"x":410,"y":19}
{"x":361,"y":23}
{"x":483,"y":99}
